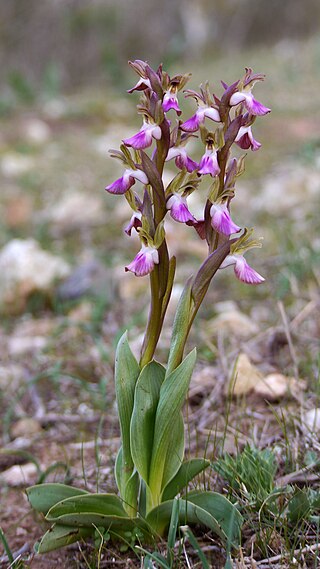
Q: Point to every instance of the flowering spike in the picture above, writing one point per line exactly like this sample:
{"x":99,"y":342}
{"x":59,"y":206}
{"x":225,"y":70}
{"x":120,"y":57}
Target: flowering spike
{"x":121,"y":185}
{"x":144,"y":261}
{"x":221,"y":220}
{"x":177,"y":205}
{"x":242,"y":269}
{"x":143,"y":138}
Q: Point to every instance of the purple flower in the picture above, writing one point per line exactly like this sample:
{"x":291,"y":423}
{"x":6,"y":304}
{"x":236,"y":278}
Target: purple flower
{"x":245,"y":139}
{"x":170,"y":101}
{"x":192,"y":124}
{"x":129,"y":178}
{"x":177,"y":205}
{"x":182,"y":159}
{"x":243,"y":271}
{"x":251,"y":104}
{"x":134,"y":223}
{"x":144,"y":261}
{"x":143,"y":138}
{"x":221,"y":220}
{"x":143,"y":83}
{"x":209,"y":163}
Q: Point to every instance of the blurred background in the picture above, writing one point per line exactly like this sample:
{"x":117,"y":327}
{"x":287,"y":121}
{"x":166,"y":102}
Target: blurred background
{"x":76,"y":42}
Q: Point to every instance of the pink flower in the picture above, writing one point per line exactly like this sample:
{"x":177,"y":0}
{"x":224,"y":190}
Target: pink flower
{"x":182,"y":160}
{"x":192,"y":124}
{"x":129,"y":178}
{"x":245,"y":139}
{"x":144,"y":261}
{"x":143,"y":83}
{"x":243,"y":271}
{"x":170,"y":101}
{"x":144,"y":137}
{"x":251,"y":104}
{"x":209,"y":163}
{"x":134,"y":223}
{"x":177,"y":205}
{"x":221,"y":220}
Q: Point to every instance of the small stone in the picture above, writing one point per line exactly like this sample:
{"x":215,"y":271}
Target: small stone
{"x":36,"y":131}
{"x":19,"y":475}
{"x":311,"y":419}
{"x":11,"y":377}
{"x":276,"y":386}
{"x":25,"y":268}
{"x":75,"y":210}
{"x":13,"y":165}
{"x":245,"y":376}
{"x":233,"y":322}
{"x":25,"y":427}
{"x":18,"y":346}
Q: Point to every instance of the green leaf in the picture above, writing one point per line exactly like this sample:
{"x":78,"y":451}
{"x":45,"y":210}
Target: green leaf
{"x":180,"y":327}
{"x":207,"y":271}
{"x":299,"y":506}
{"x":126,"y":374}
{"x":146,"y":399}
{"x":60,"y":536}
{"x":42,"y":497}
{"x":175,"y":450}
{"x":226,"y":513}
{"x":187,"y":471}
{"x":105,"y":504}
{"x":128,"y":488}
{"x":172,"y":395}
{"x":189,"y":513}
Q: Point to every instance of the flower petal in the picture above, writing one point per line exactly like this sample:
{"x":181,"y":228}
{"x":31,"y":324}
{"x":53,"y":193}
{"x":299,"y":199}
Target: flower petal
{"x":179,"y":210}
{"x":144,"y":261}
{"x":212,"y":114}
{"x":221,"y":220}
{"x":245,"y":273}
{"x":192,"y":124}
{"x":209,"y":163}
{"x":255,"y":107}
{"x":170,"y":101}
{"x":121,"y":185}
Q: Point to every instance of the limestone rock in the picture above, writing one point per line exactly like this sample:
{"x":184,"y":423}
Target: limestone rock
{"x":25,"y":268}
{"x":245,"y":376}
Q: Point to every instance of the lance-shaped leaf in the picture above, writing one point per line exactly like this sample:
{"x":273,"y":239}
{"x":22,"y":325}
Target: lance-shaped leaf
{"x":223,"y":518}
{"x":154,"y":177}
{"x":43,"y":496}
{"x":172,"y":396}
{"x":207,"y":271}
{"x":187,"y":471}
{"x":126,"y":374}
{"x":180,"y":327}
{"x":175,"y":450}
{"x":129,"y":489}
{"x":99,"y":504}
{"x":146,"y":399}
{"x":223,"y":511}
{"x":60,"y":536}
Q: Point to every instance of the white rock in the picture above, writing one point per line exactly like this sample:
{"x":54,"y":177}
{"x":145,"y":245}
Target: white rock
{"x":13,"y":165}
{"x":276,"y":385}
{"x":311,"y":419}
{"x":245,"y":376}
{"x":19,"y":475}
{"x":26,"y":268}
{"x":36,"y":131}
{"x":76,"y":210}
{"x":233,"y":322}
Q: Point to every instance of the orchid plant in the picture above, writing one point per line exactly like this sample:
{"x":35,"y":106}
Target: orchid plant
{"x":151,"y":474}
